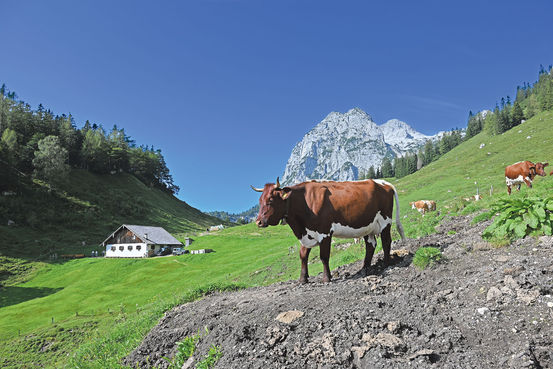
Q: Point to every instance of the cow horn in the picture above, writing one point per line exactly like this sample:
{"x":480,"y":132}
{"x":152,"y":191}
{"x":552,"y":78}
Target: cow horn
{"x":277,"y":184}
{"x":256,"y":189}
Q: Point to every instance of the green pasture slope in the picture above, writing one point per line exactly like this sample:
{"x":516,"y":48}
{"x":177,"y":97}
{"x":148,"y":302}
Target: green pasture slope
{"x":452,"y":177}
{"x":86,"y":208}
{"x":82,"y":304}
{"x":101,"y":308}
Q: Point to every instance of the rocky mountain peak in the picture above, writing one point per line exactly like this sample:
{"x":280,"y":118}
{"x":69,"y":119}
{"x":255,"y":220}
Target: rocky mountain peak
{"x":344,"y":145}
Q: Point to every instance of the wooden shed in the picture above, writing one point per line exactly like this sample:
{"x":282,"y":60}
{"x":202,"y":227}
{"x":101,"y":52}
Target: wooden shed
{"x":134,"y":241}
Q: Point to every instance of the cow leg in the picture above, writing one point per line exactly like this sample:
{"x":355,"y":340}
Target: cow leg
{"x":304,"y":256}
{"x":509,"y":189}
{"x":370,"y":244}
{"x":528,"y":183}
{"x":386,"y":237}
{"x":325,"y":257}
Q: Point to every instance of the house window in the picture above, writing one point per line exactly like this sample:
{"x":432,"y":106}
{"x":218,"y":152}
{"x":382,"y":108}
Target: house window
{"x":121,"y":248}
{"x":152,"y":247}
{"x":112,"y":248}
{"x":133,"y":237}
{"x":138,"y":247}
{"x":130,"y":248}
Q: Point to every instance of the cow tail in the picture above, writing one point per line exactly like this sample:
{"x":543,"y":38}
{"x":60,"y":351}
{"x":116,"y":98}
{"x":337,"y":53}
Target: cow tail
{"x":398,"y":221}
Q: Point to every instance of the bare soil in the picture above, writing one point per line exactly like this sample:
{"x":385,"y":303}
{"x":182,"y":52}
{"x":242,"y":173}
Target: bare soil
{"x":481,"y":307}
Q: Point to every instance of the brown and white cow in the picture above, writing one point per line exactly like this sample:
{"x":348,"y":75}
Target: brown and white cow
{"x":523,"y":172}
{"x":473,"y":198}
{"x":423,"y":206}
{"x":317,"y":211}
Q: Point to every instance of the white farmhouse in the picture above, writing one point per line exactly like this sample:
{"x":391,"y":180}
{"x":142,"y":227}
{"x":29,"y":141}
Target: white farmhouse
{"x":134,"y":241}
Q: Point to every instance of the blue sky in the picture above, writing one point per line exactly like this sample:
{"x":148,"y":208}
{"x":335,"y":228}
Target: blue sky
{"x":226,"y":88}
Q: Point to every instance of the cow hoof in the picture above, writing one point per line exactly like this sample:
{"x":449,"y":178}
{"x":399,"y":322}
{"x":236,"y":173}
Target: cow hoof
{"x":302,"y":281}
{"x":326,"y":279}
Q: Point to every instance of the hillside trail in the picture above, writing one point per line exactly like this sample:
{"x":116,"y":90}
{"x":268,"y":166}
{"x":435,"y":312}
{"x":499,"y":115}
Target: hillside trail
{"x":481,"y":307}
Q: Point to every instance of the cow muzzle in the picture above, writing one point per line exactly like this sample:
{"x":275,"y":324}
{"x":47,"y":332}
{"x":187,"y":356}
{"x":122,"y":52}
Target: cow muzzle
{"x":261,"y":224}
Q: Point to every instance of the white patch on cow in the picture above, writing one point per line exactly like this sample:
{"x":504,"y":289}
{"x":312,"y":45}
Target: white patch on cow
{"x":381,"y":182}
{"x":313,"y":238}
{"x":372,"y":240}
{"x":517,"y":180}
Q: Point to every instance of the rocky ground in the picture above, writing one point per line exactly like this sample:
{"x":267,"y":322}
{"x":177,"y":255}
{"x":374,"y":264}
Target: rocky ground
{"x":482,"y":307}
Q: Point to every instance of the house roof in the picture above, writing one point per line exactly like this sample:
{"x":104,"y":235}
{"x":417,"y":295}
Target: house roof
{"x":151,"y":235}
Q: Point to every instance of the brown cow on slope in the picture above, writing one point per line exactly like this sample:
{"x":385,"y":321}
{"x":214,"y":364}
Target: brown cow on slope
{"x":423,"y":206}
{"x":316,"y":211}
{"x":523,"y":171}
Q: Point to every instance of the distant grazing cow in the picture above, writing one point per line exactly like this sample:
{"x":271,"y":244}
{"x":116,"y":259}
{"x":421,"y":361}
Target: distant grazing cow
{"x":423,"y":206}
{"x":316,"y":211}
{"x":473,"y":198}
{"x":523,"y":172}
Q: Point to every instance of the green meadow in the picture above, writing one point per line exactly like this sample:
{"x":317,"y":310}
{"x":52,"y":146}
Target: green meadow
{"x":92,"y":312}
{"x":91,"y":296}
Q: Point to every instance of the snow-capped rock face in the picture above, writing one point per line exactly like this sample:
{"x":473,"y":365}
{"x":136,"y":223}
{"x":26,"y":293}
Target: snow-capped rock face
{"x":401,"y":137}
{"x":343,"y":146}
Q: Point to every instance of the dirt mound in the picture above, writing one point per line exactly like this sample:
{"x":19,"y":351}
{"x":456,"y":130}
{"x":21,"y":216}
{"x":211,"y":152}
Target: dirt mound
{"x":482,"y":307}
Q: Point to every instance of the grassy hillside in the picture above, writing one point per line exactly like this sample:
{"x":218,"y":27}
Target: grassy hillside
{"x":69,"y":303}
{"x":452,"y":177}
{"x":86,"y":208}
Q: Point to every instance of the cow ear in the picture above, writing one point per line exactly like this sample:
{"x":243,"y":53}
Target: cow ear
{"x":286,"y":191}
{"x":545,"y":164}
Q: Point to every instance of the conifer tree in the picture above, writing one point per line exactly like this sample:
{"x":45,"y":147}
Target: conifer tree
{"x":371,"y":173}
{"x":387,"y":170}
{"x":517,"y":114}
{"x":428,"y":152}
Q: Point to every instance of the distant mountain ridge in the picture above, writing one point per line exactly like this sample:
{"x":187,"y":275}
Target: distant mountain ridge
{"x":344,"y":145}
{"x":246,"y":216}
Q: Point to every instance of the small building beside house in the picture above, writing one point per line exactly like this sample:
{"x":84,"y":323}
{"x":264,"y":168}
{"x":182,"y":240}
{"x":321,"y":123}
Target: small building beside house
{"x":134,"y":241}
{"x":216,"y":228}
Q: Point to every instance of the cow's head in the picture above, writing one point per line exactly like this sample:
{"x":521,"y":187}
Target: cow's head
{"x":540,"y":169}
{"x":272,"y":204}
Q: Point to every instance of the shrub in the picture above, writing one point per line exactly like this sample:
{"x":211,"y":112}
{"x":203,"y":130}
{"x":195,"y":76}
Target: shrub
{"x":426,"y":256}
{"x":520,"y":217}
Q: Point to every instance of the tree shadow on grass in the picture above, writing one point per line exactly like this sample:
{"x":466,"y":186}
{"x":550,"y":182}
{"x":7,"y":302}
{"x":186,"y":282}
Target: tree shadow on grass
{"x":16,"y":295}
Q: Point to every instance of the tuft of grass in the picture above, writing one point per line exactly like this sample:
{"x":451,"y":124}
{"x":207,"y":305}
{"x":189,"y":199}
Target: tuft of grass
{"x":185,"y":350}
{"x":213,"y":355}
{"x":486,"y":215}
{"x":426,"y":256}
